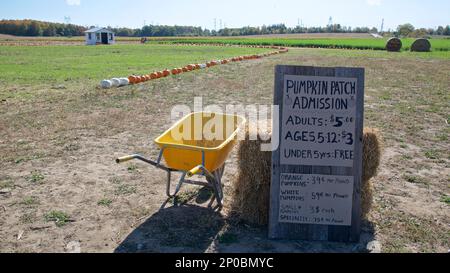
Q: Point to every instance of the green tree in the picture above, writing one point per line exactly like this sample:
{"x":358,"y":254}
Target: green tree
{"x":405,"y":30}
{"x":447,"y":31}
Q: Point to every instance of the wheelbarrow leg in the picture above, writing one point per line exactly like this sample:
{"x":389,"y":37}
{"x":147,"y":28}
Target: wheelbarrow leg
{"x":217,"y":188}
{"x":177,"y":190}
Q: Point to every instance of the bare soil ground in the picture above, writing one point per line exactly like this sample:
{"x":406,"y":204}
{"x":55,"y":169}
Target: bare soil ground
{"x":58,"y":148}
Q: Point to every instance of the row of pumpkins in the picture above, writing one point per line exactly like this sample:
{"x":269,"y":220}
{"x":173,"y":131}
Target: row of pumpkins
{"x":134,"y":79}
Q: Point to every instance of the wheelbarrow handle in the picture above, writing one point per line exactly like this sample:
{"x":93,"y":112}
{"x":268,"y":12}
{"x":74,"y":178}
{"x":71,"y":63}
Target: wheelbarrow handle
{"x":194,"y":171}
{"x":126,"y":158}
{"x":199,"y":170}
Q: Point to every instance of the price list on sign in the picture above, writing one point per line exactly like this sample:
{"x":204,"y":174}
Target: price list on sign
{"x":318,"y":121}
{"x":316,"y":199}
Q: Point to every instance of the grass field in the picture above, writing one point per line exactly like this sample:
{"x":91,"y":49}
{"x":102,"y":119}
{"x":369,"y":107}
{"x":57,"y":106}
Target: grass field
{"x":339,"y":43}
{"x":319,"y":40}
{"x":53,"y":64}
{"x":60,"y":134}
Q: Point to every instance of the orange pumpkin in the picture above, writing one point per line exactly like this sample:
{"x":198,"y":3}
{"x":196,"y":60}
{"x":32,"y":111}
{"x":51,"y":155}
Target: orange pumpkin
{"x":180,"y":70}
{"x":154,"y":76}
{"x":174,"y":71}
{"x":197,"y":66}
{"x":160,"y":74}
{"x":138,"y":79}
{"x":166,"y":73}
{"x":132,"y":79}
{"x":190,"y":67}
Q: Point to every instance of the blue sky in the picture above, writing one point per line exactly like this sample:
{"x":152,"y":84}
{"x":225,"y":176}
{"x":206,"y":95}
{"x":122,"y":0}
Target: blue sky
{"x":232,"y":13}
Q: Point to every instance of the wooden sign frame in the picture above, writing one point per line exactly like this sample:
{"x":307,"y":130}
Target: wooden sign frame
{"x":295,"y":231}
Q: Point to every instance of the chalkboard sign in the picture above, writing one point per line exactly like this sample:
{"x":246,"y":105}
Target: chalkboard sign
{"x":317,"y":168}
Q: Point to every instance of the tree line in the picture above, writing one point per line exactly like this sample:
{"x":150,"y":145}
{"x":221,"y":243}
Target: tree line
{"x":39,"y":28}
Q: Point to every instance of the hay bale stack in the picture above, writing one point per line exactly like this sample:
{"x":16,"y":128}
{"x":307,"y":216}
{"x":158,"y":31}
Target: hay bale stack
{"x":367,"y":191}
{"x":394,"y":45}
{"x":251,"y":188}
{"x":421,"y":45}
{"x":372,"y":149}
{"x":372,"y":152}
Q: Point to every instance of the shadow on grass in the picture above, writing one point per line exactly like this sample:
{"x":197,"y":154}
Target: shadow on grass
{"x":180,"y":228}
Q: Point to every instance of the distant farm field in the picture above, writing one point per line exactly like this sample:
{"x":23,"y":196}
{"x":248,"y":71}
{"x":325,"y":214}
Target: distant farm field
{"x":361,"y":41}
{"x":52,"y":64}
{"x":338,"y":43}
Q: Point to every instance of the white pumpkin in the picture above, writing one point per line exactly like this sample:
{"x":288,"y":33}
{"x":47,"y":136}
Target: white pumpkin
{"x":124,"y":82}
{"x":106,"y":84}
{"x":115,"y":82}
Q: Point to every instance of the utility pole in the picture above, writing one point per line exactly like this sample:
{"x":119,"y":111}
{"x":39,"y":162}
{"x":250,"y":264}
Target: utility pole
{"x":215,"y":24}
{"x":382,"y":26}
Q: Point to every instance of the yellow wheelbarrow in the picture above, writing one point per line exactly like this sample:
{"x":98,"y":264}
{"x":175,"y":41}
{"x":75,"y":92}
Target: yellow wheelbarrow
{"x":199,"y":144}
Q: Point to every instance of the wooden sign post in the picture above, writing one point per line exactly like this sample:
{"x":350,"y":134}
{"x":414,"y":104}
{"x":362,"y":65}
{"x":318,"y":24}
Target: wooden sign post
{"x":317,"y":168}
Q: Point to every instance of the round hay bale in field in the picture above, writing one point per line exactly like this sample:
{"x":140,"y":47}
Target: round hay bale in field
{"x":394,"y":45}
{"x":251,"y":188}
{"x":115,"y":82}
{"x":106,"y":84}
{"x":421,"y":45}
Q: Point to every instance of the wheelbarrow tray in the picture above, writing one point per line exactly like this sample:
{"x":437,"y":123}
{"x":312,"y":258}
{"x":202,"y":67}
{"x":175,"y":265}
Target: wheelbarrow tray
{"x":185,"y":145}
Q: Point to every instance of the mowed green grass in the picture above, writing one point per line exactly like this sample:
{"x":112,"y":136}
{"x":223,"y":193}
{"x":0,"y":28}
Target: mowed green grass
{"x":341,"y":43}
{"x":54,"y":64}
